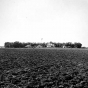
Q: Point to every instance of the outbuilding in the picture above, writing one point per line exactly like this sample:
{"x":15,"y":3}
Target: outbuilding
{"x":39,"y":46}
{"x":28,"y":46}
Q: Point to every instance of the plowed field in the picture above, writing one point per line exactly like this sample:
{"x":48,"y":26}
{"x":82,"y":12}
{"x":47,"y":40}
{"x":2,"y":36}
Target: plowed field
{"x":46,"y":68}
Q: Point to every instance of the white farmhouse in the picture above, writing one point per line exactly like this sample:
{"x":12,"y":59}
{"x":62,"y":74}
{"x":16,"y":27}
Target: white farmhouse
{"x":50,"y":45}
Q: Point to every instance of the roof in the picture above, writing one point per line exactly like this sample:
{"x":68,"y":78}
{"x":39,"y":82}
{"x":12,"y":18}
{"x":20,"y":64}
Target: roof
{"x":28,"y":46}
{"x":39,"y":46}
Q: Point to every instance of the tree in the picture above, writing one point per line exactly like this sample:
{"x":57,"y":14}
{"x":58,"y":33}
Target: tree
{"x":7,"y":44}
{"x":17,"y":44}
{"x":77,"y":45}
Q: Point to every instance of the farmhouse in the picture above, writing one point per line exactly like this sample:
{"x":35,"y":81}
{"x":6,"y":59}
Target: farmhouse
{"x":50,"y":45}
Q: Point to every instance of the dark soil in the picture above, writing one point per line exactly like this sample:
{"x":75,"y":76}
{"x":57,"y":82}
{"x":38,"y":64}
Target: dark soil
{"x":46,"y":68}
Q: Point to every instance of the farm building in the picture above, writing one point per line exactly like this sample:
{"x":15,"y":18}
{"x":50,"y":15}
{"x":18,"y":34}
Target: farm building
{"x":39,"y":46}
{"x":63,"y":46}
{"x":28,"y":46}
{"x":2,"y":47}
{"x":50,"y":45}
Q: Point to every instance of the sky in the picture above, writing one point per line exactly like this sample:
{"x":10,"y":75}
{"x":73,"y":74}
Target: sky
{"x":49,"y":20}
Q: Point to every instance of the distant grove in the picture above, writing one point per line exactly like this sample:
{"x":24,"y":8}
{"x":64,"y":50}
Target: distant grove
{"x":18,"y":44}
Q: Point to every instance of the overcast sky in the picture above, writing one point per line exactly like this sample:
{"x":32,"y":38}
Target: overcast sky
{"x":52,"y":20}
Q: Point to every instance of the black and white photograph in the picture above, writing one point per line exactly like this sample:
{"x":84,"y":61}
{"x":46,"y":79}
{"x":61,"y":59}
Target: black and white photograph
{"x":43,"y":44}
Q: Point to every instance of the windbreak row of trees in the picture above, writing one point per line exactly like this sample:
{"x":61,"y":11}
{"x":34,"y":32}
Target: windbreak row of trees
{"x":17,"y":44}
{"x":68,"y":45}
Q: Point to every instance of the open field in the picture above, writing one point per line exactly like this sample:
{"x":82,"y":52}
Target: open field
{"x":47,"y":68}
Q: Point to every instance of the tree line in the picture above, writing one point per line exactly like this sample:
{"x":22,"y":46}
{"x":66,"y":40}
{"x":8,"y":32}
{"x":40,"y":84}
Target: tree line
{"x":18,"y":44}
